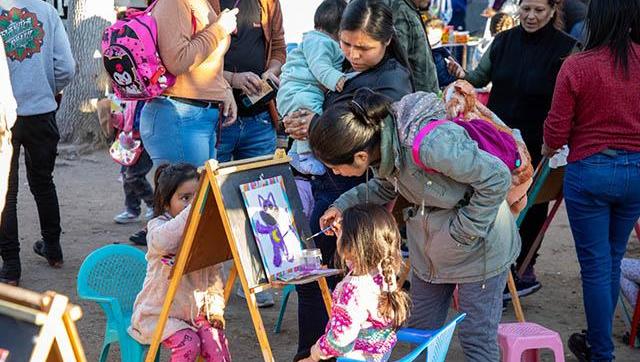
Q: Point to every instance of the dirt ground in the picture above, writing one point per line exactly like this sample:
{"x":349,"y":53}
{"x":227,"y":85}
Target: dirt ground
{"x":90,"y":195}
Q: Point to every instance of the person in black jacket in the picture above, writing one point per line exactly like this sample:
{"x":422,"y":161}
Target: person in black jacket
{"x":523,"y":64}
{"x":368,"y":40}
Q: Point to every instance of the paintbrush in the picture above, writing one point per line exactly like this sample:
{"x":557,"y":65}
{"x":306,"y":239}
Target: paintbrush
{"x":319,"y":232}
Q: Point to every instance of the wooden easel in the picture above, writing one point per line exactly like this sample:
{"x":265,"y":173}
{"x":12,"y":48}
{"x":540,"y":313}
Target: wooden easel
{"x":211,"y":219}
{"x":546,"y":187}
{"x":47,"y":318}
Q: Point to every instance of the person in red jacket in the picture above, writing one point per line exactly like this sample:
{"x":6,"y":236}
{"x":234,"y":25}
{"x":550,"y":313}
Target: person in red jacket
{"x":595,"y":111}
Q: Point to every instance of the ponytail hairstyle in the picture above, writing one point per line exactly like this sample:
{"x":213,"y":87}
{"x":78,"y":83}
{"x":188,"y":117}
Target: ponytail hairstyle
{"x":614,"y":24}
{"x":167,"y":179}
{"x":375,"y":18}
{"x":370,"y":239}
{"x":349,"y":127}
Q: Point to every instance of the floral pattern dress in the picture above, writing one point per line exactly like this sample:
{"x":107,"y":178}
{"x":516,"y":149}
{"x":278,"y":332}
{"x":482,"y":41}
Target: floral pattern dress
{"x":356,"y":329}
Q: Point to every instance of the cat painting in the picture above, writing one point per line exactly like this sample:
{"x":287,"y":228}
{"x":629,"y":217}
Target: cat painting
{"x":266,"y":223}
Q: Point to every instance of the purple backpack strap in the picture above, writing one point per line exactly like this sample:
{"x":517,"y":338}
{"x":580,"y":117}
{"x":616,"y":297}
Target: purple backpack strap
{"x":417,"y":141}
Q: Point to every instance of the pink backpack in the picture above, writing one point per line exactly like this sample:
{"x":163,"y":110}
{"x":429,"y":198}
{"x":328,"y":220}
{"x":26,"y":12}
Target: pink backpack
{"x":490,"y":139}
{"x":130,"y":56}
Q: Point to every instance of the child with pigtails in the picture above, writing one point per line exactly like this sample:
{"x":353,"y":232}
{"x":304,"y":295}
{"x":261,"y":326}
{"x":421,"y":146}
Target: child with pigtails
{"x":368,"y":306}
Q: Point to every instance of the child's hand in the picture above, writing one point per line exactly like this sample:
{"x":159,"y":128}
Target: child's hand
{"x":340,"y":84}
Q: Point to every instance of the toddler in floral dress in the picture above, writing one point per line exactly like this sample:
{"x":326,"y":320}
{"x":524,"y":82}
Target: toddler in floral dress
{"x":195,"y":324}
{"x":368,"y":307}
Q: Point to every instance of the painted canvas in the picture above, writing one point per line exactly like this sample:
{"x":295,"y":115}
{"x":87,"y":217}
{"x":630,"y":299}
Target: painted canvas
{"x":273,"y":225}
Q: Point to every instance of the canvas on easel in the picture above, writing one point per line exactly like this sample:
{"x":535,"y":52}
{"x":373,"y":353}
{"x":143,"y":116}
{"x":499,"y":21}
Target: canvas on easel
{"x":38,"y":327}
{"x":275,"y":231}
{"x":219,"y":229}
{"x":272,"y":223}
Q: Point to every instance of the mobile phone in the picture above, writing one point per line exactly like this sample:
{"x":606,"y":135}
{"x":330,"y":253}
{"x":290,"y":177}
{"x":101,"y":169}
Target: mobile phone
{"x":268,"y":92}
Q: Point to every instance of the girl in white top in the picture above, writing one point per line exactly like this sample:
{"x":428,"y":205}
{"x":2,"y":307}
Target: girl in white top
{"x":195,"y":324}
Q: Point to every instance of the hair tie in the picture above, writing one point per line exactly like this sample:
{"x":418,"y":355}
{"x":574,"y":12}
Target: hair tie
{"x":390,"y":288}
{"x":359,"y":108}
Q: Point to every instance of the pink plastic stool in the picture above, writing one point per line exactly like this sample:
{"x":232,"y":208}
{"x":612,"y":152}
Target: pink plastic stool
{"x":518,"y":340}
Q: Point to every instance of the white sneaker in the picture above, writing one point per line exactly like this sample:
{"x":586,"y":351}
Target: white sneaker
{"x":264,"y":299}
{"x":149,"y":214}
{"x":126,"y":217}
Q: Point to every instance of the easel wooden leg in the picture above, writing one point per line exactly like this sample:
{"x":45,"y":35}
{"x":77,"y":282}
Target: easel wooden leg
{"x":326,"y":294}
{"x":72,"y":331}
{"x":48,"y":333}
{"x":258,"y":325}
{"x":231,"y":279}
{"x":515,"y":299}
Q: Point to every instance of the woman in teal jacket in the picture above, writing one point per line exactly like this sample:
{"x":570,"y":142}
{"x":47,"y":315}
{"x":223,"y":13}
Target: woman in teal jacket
{"x":460,"y":231}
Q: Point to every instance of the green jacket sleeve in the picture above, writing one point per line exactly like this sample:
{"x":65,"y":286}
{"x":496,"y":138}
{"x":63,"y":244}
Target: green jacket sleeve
{"x":481,"y":76}
{"x":380,"y":191}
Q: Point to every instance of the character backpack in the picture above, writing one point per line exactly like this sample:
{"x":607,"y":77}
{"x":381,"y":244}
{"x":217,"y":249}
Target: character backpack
{"x":130,"y":56}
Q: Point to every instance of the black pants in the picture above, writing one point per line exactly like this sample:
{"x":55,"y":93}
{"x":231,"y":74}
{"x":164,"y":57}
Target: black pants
{"x":312,"y":315}
{"x":135,"y":184}
{"x":39,"y":136}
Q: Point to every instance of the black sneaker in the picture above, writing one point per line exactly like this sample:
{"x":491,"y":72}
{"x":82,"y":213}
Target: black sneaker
{"x":54,"y":261}
{"x":139,"y":238}
{"x":580,"y":347}
{"x":524,"y":288}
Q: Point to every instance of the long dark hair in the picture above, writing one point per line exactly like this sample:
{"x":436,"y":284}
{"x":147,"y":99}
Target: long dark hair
{"x":167,"y":179}
{"x":349,"y":127}
{"x":375,"y":18}
{"x":614,"y":24}
{"x":370,"y":239}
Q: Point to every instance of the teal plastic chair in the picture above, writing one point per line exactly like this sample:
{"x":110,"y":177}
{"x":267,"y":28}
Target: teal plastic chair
{"x":286,"y":292}
{"x":435,"y":343}
{"x":112,"y":276}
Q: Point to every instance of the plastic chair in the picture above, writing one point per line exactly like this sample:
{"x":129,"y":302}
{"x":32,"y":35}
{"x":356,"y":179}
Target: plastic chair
{"x":518,"y":340}
{"x":436,"y":342}
{"x":112,"y":276}
{"x":286,"y":292}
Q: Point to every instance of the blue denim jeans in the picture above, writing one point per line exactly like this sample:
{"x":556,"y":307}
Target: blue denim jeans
{"x":173,"y":131}
{"x":603,"y":203}
{"x":250,"y":136}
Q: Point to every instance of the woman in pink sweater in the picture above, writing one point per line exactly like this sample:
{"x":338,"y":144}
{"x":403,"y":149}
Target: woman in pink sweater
{"x":595,"y":111}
